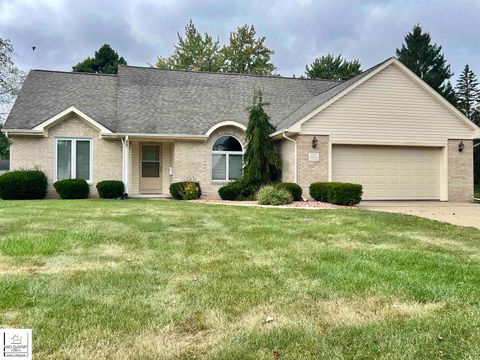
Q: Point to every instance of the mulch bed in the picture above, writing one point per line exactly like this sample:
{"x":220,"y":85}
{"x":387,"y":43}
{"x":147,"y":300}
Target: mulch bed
{"x":294,"y":205}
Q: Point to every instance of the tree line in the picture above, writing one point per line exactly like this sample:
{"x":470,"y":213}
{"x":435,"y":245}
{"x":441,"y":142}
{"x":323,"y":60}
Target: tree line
{"x":247,"y":53}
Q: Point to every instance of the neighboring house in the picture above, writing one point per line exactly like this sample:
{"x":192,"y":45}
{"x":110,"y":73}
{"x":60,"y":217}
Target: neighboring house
{"x":4,"y":166}
{"x":385,"y":129}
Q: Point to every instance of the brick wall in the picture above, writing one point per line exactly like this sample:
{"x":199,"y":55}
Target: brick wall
{"x":311,"y":171}
{"x":39,"y":152}
{"x":193,"y":161}
{"x":460,"y":171}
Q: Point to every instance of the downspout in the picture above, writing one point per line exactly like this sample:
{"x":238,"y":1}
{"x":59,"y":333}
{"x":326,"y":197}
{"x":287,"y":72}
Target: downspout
{"x":474,"y":198}
{"x":125,"y":158}
{"x":295,"y":159}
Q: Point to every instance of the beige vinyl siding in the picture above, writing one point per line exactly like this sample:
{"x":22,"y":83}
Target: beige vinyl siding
{"x":135,"y":163}
{"x":135,"y":168}
{"x":388,"y":108}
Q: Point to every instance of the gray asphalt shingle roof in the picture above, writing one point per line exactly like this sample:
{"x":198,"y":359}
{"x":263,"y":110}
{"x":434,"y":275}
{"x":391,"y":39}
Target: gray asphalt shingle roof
{"x":46,"y":93}
{"x":153,"y":101}
{"x":186,"y":102}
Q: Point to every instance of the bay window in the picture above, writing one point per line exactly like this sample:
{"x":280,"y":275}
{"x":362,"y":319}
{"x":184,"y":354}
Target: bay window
{"x":227,"y":159}
{"x":73,"y":159}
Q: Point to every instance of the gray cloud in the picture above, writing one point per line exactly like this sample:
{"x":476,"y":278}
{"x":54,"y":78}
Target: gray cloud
{"x":67,"y":31}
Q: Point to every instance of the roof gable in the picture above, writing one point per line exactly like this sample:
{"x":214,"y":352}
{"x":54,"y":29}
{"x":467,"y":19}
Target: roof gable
{"x":390,"y":106}
{"x":45,"y":94}
{"x":294,"y":121}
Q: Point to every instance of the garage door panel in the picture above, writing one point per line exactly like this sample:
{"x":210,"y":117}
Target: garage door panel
{"x":389,"y":172}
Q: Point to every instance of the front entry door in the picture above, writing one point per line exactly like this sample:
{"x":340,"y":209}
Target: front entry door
{"x":150,"y":170}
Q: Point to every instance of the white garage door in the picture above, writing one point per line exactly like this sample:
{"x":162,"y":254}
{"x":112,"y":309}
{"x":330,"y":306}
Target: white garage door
{"x":389,"y":172}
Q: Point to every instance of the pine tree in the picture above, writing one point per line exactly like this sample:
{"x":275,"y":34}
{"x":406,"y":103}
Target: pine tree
{"x":330,"y":67}
{"x":105,"y":61}
{"x":194,"y":52}
{"x":467,"y":92}
{"x":261,"y":160}
{"x":427,"y":61}
{"x":247,"y":54}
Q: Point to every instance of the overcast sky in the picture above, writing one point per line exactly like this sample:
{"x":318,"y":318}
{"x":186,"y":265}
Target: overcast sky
{"x":65,"y":32}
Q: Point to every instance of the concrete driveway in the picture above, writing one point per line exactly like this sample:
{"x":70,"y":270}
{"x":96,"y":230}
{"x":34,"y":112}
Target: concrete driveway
{"x":463,"y":214}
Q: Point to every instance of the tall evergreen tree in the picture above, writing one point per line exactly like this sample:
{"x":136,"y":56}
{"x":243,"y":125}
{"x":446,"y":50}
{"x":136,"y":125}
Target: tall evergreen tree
{"x":331,"y":67}
{"x":467,"y":92}
{"x":261,"y":160}
{"x":194,"y":52}
{"x":426,"y":60}
{"x":105,"y":61}
{"x":247,"y":54}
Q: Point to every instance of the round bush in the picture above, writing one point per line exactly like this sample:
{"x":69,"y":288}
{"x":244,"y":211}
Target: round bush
{"x":238,"y":190}
{"x":294,"y":189}
{"x":23,"y":185}
{"x":337,"y":193}
{"x":269,"y":195}
{"x":110,"y":189}
{"x":185,"y":190}
{"x":72,"y":188}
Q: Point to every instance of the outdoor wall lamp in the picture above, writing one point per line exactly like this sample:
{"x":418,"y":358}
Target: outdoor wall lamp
{"x":314,"y":142}
{"x":461,"y":146}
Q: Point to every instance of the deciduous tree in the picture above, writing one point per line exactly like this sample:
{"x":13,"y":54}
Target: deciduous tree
{"x":194,"y":52}
{"x":247,"y":54}
{"x":331,"y":67}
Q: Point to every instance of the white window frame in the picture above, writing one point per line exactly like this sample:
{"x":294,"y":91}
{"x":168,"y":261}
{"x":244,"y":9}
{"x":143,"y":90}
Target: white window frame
{"x":227,"y":153}
{"x":73,"y":160}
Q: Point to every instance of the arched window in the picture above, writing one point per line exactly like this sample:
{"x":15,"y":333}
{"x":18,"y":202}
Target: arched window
{"x":227,"y":159}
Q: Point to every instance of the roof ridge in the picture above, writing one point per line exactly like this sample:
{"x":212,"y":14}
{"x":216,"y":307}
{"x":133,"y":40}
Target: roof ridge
{"x":72,"y":72}
{"x":229,"y":73}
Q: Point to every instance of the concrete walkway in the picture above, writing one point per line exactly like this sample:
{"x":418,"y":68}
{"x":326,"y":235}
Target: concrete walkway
{"x":463,"y":214}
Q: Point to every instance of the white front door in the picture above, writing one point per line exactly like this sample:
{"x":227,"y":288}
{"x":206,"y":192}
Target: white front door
{"x":150,"y":169}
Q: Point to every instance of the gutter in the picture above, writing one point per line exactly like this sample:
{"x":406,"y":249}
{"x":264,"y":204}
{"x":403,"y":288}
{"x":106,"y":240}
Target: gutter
{"x":295,"y":159}
{"x":156,"y":136}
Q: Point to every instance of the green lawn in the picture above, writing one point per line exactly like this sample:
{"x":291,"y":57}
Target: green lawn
{"x":172,"y":280}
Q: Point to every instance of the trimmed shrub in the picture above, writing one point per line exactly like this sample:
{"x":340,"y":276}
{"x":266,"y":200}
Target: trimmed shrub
{"x":270,"y":195}
{"x":23,"y":185}
{"x":110,"y":189}
{"x":185,"y":190}
{"x":72,"y":188}
{"x":292,"y":188}
{"x":337,"y":193}
{"x":238,"y":190}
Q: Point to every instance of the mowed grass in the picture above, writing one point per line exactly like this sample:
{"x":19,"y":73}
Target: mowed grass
{"x":143,"y":279}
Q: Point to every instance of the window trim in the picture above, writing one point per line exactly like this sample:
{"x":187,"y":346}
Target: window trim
{"x":227,"y":158}
{"x":73,"y":163}
{"x":159,"y":161}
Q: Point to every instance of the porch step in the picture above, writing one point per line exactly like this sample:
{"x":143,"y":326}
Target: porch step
{"x":150,"y":196}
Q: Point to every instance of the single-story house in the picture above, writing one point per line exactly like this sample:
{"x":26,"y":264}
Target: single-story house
{"x":385,"y":129}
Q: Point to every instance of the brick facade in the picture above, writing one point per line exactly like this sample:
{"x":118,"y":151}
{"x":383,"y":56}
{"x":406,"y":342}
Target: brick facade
{"x":311,"y":171}
{"x":193,"y":160}
{"x":460,"y":171}
{"x":33,"y":152}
